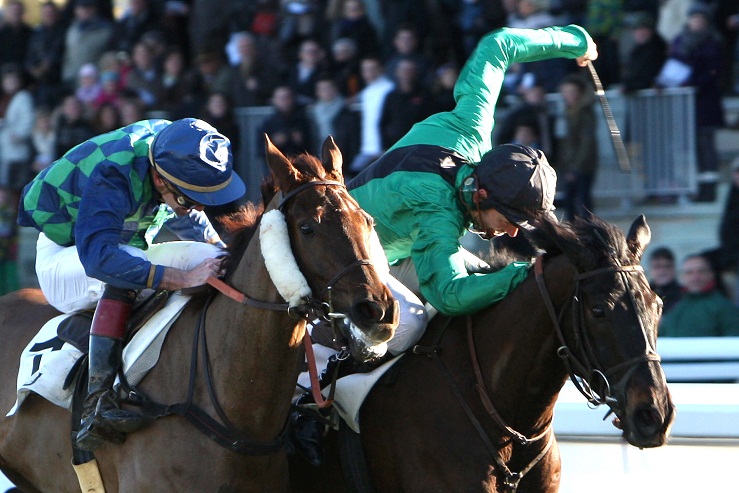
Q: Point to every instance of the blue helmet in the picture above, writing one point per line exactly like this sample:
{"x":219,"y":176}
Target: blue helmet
{"x":191,"y":155}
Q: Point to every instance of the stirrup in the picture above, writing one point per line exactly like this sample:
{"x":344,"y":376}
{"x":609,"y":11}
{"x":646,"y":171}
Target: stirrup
{"x":120,"y":420}
{"x":94,"y":432}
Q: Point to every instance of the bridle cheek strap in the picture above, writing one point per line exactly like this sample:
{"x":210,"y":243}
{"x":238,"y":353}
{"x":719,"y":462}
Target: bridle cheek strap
{"x":586,"y":368}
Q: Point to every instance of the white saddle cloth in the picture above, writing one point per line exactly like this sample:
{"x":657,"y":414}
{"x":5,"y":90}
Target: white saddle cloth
{"x":351,"y":390}
{"x":47,"y":360}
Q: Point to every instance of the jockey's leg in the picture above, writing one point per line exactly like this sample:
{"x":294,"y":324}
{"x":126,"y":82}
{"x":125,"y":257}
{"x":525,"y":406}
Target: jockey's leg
{"x":102,"y":418}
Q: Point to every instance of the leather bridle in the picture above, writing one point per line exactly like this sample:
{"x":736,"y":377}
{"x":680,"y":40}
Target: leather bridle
{"x":582,"y":367}
{"x":312,"y":307}
{"x":588,"y":375}
{"x":222,"y":431}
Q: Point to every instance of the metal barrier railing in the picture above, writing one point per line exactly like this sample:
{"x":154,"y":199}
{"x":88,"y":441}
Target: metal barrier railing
{"x":661,"y":130}
{"x":658,"y":128}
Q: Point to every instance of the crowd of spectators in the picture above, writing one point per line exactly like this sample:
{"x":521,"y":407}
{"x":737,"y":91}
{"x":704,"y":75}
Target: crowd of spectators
{"x":83,"y":67}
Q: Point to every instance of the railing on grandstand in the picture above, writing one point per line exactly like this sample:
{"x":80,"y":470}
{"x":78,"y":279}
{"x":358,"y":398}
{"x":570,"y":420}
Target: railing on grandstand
{"x":658,"y":128}
{"x":251,"y":167}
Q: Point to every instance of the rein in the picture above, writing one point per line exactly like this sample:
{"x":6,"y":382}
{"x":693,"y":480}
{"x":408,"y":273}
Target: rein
{"x":224,"y":432}
{"x":510,"y":479}
{"x":584,"y":368}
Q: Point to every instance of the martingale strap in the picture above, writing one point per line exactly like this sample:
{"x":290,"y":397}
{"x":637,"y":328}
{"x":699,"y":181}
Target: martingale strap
{"x":223,"y":433}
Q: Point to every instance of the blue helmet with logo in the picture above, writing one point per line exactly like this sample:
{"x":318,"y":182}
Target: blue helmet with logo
{"x":191,"y":155}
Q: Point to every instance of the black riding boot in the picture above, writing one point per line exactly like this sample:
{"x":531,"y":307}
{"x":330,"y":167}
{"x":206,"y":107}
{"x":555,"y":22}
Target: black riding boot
{"x":307,"y":429}
{"x":102,"y":418}
{"x":307,"y":426}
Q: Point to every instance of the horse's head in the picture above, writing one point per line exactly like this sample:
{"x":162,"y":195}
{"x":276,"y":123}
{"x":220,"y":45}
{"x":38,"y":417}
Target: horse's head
{"x":608,"y":328}
{"x":337,"y":255}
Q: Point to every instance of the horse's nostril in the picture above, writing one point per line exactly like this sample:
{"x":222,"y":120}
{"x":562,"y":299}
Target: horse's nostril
{"x":368,"y":311}
{"x":648,"y":420}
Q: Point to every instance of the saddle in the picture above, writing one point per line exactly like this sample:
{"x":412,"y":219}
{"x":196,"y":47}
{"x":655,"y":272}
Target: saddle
{"x":75,"y":329}
{"x":50,"y":362}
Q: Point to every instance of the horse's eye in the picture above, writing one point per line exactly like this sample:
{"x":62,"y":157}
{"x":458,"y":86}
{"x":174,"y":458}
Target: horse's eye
{"x":306,"y":229}
{"x":598,"y":311}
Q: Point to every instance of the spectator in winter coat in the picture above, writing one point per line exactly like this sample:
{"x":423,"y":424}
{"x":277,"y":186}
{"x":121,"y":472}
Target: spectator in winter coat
{"x":703,"y":310}
{"x":646,"y":57}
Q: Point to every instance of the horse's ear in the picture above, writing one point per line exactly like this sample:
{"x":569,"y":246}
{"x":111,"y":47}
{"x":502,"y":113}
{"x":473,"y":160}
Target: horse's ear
{"x":639,"y":236}
{"x":283,"y":170}
{"x":331,"y":158}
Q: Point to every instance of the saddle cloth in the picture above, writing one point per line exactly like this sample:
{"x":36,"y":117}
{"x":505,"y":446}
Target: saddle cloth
{"x":351,"y":390}
{"x":47,"y":360}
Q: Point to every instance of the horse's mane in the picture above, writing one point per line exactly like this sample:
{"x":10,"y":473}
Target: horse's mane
{"x":241,"y":225}
{"x":590,"y":240}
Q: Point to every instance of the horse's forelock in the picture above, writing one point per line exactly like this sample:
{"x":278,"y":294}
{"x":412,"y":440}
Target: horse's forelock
{"x":309,"y":165}
{"x":602,"y":238}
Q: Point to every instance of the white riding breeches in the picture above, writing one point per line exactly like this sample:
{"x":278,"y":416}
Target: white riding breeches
{"x":67,"y":288}
{"x":414,"y":315}
{"x":412,"y":321}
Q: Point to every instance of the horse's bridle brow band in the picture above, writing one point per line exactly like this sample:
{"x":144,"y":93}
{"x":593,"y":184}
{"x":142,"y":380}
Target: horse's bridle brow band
{"x":294,"y":192}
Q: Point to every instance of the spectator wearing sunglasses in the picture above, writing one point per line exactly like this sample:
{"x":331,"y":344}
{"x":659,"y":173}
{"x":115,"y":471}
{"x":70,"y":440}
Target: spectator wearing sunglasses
{"x":98,"y":209}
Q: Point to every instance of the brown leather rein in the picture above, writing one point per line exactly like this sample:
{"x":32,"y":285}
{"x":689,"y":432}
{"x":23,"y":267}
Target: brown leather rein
{"x":311,"y":309}
{"x":512,"y":479}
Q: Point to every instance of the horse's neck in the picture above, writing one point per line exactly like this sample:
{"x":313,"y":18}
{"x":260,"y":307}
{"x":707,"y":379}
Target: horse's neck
{"x":516,"y":346}
{"x":254,"y":352}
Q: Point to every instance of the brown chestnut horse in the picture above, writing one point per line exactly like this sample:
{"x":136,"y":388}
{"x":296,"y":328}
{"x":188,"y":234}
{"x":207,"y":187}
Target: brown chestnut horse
{"x":245,"y":378}
{"x":470,"y":408}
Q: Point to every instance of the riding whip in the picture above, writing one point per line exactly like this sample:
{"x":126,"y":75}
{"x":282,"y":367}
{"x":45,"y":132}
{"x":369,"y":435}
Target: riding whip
{"x":618,"y":143}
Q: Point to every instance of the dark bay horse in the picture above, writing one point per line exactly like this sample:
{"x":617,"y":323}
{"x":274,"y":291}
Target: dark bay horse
{"x":470,"y":409}
{"x":245,"y":378}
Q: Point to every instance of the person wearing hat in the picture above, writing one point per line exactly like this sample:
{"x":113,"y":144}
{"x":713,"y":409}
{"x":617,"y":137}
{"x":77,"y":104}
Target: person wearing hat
{"x":699,"y":47}
{"x":444,"y":177}
{"x":647,"y":55}
{"x":98,"y":209}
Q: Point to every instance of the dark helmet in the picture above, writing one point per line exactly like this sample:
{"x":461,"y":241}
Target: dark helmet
{"x":519,"y":181}
{"x":191,"y":155}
